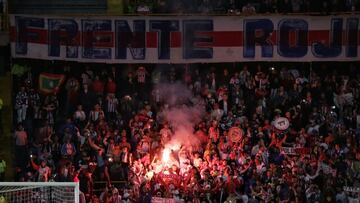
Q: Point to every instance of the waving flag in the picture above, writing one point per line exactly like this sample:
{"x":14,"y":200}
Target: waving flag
{"x":50,"y":83}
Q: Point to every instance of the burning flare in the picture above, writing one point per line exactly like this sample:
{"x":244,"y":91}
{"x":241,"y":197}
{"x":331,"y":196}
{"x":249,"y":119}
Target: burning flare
{"x":166,"y":155}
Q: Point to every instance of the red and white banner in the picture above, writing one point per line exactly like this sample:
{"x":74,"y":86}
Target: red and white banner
{"x":162,"y":200}
{"x":186,"y":39}
{"x":295,"y":150}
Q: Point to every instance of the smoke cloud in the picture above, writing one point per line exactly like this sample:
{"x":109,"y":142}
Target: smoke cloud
{"x":174,"y":94}
{"x":182,"y":114}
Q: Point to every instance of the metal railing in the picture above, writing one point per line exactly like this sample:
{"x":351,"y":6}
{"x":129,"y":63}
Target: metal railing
{"x":197,"y":14}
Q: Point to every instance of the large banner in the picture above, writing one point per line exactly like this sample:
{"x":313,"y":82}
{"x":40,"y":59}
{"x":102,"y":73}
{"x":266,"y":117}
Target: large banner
{"x":186,"y":39}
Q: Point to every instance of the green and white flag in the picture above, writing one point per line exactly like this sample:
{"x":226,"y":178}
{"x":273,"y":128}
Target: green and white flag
{"x":50,"y":83}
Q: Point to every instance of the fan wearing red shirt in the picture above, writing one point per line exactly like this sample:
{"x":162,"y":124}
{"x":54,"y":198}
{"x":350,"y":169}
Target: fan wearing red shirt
{"x":98,"y":86}
{"x":110,"y":86}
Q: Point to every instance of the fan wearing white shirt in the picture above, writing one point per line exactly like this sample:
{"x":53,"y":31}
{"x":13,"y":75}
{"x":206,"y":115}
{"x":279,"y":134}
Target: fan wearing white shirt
{"x":79,"y":114}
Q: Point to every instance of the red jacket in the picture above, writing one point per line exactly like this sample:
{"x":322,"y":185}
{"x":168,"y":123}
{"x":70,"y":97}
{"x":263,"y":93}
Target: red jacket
{"x":98,"y":87}
{"x":111,"y":87}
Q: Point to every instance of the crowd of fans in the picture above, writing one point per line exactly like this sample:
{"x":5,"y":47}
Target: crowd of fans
{"x":241,"y":7}
{"x":104,"y":125}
